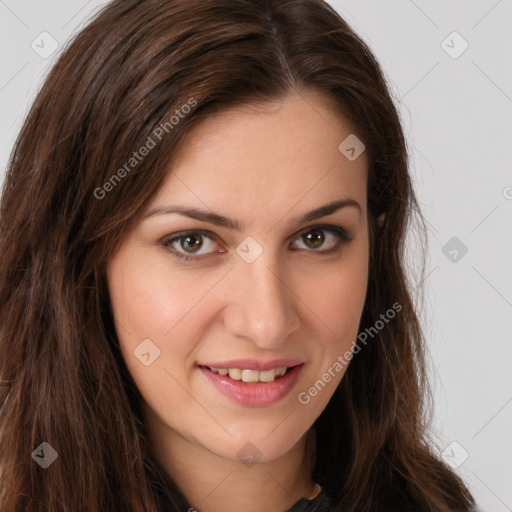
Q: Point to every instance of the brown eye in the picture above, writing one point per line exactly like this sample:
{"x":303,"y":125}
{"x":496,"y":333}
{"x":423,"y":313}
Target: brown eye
{"x":187,"y":245}
{"x":314,"y":239}
{"x":333,"y":237}
{"x":191,"y":243}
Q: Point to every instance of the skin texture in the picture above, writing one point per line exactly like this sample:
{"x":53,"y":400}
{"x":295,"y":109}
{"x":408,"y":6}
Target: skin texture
{"x":262,"y":168}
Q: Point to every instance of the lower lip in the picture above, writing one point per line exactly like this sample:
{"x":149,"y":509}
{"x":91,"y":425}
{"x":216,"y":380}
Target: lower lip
{"x":254,"y":394}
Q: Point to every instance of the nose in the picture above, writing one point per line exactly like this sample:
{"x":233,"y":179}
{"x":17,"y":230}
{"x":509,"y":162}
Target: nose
{"x":262,"y":305}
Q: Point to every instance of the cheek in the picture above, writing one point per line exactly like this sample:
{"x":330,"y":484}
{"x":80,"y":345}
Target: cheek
{"x":338,"y":296}
{"x":147,"y":299}
{"x":337,"y":306}
{"x":149,"y":302}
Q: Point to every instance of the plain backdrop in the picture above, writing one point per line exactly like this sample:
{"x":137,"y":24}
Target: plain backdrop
{"x":449,"y":68}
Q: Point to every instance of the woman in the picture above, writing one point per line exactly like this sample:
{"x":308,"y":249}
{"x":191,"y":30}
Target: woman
{"x":203,"y":303}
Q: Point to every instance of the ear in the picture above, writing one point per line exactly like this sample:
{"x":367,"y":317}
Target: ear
{"x":381,"y":219}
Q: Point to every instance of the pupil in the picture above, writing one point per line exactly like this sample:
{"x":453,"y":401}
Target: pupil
{"x":317,"y":240}
{"x":194,"y":246}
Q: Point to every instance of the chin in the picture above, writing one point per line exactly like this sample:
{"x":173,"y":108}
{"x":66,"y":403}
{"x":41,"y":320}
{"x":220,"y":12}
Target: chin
{"x":251,"y":445}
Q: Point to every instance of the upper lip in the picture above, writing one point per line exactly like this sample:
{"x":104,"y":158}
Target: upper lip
{"x":254,"y":364}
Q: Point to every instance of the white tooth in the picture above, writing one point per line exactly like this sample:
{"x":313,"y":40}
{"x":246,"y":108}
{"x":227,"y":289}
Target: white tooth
{"x":214,"y":370}
{"x":235,"y":373}
{"x":268,"y":375}
{"x":222,"y":371}
{"x":250,"y":375}
{"x":280,"y":371}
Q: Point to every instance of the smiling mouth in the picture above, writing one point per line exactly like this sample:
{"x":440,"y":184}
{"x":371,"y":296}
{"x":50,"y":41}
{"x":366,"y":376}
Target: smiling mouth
{"x":251,"y":387}
{"x":251,"y":376}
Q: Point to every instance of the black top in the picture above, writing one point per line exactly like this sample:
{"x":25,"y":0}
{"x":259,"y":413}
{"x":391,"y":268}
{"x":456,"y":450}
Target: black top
{"x":320,"y":503}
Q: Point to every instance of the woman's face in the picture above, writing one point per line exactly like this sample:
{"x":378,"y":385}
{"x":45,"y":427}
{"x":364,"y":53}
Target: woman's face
{"x":258,"y":280}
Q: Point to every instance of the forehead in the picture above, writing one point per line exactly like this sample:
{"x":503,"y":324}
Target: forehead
{"x":268,"y":156}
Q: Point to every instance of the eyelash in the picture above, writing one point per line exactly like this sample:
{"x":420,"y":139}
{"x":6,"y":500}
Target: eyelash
{"x":341,"y":234}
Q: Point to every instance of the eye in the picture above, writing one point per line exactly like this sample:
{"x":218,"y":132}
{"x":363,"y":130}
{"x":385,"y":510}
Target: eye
{"x":314,"y":238}
{"x":191,"y":244}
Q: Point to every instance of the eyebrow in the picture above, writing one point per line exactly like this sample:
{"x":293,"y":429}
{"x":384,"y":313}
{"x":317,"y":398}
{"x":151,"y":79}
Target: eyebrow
{"x":225,"y":222}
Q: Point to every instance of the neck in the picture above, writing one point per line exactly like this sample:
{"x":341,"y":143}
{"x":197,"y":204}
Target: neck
{"x":213,"y":484}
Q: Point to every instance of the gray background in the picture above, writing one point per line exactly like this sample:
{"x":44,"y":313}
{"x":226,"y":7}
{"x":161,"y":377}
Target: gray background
{"x":457,"y":115}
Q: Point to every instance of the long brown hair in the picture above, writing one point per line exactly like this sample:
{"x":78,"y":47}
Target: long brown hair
{"x":122,"y":80}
